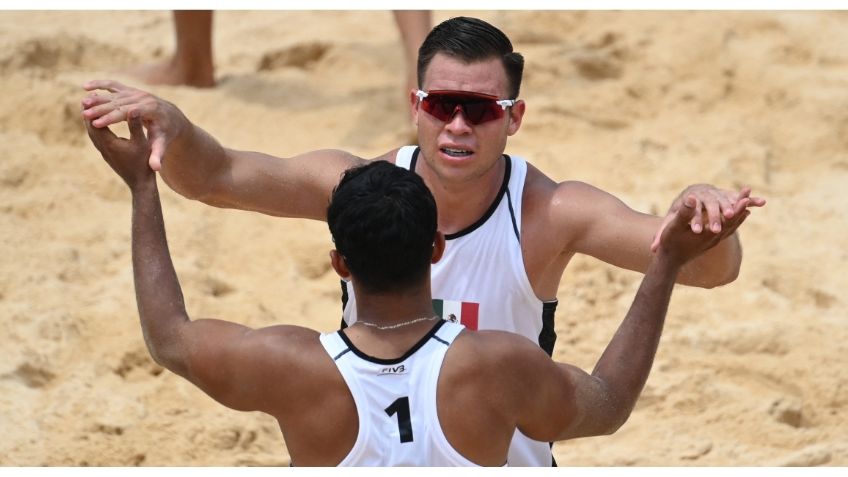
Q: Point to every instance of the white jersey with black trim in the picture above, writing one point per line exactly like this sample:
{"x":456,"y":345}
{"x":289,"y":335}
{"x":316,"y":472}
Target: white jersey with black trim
{"x":481,"y":282}
{"x":396,"y":401}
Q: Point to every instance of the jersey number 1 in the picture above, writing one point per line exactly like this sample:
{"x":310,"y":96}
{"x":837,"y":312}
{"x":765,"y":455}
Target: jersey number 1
{"x":401,"y":408}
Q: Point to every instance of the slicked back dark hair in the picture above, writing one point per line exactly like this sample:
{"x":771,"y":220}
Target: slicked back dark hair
{"x":470,"y":40}
{"x":383,"y":222}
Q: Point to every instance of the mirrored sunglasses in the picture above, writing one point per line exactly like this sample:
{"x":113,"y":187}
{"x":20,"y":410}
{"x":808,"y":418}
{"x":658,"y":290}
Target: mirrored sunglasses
{"x":477,"y":108}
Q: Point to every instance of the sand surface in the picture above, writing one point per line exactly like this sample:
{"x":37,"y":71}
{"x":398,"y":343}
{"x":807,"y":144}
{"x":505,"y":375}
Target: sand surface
{"x":639,"y":104}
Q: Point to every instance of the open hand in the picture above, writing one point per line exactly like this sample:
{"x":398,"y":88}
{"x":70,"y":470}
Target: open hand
{"x":680,"y":242}
{"x":712,"y":207}
{"x":163,"y":120}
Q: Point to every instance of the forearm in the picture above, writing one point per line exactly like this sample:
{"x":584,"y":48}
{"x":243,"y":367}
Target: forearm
{"x":193,"y":161}
{"x":718,"y":266}
{"x":626,"y":363}
{"x":160,"y":302}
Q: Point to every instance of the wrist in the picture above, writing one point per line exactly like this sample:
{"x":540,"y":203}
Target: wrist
{"x":143,"y":186}
{"x":666,"y":263}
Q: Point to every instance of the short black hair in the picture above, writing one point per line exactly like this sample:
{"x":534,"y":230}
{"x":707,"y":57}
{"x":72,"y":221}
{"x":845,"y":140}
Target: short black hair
{"x":383,"y":222}
{"x":471,"y":39}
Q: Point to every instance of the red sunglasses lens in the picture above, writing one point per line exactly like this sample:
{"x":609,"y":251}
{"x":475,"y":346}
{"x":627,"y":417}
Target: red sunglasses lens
{"x":477,"y":109}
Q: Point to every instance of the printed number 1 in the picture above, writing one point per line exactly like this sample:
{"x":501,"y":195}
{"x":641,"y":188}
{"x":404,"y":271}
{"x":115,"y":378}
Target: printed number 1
{"x":401,"y":408}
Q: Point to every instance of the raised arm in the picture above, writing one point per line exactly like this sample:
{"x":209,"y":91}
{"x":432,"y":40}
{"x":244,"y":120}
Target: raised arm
{"x":601,"y":225}
{"x":238,"y":366}
{"x":571,"y":403}
{"x":197,"y":166}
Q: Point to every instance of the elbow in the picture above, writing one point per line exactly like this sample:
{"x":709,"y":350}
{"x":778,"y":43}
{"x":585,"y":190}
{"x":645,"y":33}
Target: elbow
{"x":168,"y":359}
{"x":166,"y":352}
{"x":616,"y":422}
{"x":615,"y":419}
{"x":730,"y":275}
{"x":185,"y":187}
{"x":701,"y":278}
{"x":617,"y":407}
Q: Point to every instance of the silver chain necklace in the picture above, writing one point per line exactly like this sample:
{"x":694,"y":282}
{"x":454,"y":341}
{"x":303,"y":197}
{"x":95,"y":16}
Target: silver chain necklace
{"x":397,"y":325}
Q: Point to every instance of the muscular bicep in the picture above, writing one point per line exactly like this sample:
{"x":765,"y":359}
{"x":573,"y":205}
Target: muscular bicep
{"x":242,"y":368}
{"x":602,"y":226}
{"x":299,"y":186}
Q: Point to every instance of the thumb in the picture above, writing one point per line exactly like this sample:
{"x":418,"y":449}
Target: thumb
{"x":157,"y":149}
{"x":687,"y":212}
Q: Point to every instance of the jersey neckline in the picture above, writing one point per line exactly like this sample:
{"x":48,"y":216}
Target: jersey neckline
{"x":494,"y":205}
{"x":403,"y":357}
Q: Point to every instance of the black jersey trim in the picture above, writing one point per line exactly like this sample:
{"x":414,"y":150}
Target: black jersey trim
{"x":401,"y":359}
{"x":512,"y":215}
{"x":548,"y":336}
{"x":341,"y":354}
{"x":414,"y":159}
{"x":441,"y":340}
{"x":491,"y":210}
{"x":482,"y":220}
{"x":344,"y":303}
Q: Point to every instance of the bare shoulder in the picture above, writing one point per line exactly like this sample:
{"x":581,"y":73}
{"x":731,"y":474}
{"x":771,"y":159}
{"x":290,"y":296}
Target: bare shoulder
{"x":348,"y":160}
{"x":390,"y":156}
{"x":285,"y":344}
{"x":561,"y":209}
{"x":499,"y":352}
{"x":543,"y":192}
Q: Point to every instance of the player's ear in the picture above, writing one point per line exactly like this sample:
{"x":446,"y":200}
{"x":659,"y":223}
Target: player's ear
{"x":413,"y":105}
{"x":438,"y":247}
{"x":339,"y":264}
{"x":516,"y":114}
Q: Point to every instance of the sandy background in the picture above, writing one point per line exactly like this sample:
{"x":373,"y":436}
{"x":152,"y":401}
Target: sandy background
{"x":639,"y":104}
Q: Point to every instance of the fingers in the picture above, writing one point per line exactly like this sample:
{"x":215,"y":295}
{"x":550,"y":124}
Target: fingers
{"x":94,"y":99}
{"x":745,"y":192}
{"x":103,"y":113}
{"x":136,"y":128}
{"x":98,"y":135}
{"x":106,"y":109}
{"x":697,"y":222}
{"x":730,"y":227}
{"x":109,"y":85}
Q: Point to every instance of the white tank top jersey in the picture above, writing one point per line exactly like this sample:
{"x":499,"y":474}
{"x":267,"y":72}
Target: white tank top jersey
{"x":481,"y":282}
{"x":396,"y":401}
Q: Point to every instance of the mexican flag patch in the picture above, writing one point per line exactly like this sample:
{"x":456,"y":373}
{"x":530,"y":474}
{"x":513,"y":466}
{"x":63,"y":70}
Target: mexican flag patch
{"x":458,"y":312}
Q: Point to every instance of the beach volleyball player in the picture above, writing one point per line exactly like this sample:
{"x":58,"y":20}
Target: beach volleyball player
{"x":510,"y":230}
{"x":399,"y":386}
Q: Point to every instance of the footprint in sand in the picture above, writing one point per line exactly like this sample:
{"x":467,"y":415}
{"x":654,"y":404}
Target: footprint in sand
{"x":32,"y":376}
{"x":300,"y":56}
{"x":137,"y":361}
{"x":47,"y":55}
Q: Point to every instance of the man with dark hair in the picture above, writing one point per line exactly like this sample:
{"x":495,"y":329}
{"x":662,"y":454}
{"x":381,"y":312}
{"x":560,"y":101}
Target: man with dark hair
{"x":510,"y":230}
{"x":400,"y":386}
{"x":390,"y":249}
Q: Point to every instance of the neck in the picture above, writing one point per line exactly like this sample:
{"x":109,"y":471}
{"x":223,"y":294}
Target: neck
{"x":396,"y":308}
{"x":461,"y":203}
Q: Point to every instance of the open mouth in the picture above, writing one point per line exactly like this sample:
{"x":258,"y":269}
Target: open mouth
{"x":452,"y":152}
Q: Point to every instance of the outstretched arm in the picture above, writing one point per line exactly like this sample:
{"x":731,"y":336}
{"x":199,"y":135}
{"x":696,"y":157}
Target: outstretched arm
{"x":601,"y":225}
{"x":226,"y":360}
{"x":197,"y":166}
{"x":577,"y":404}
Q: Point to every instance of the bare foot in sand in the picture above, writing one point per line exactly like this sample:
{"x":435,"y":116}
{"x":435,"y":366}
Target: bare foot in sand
{"x":174,"y":72}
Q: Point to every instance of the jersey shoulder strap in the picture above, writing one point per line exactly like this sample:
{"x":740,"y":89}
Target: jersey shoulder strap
{"x":405,"y":157}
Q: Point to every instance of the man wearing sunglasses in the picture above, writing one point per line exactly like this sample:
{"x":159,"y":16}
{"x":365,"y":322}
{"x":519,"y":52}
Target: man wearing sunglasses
{"x":510,"y":230}
{"x":399,"y":387}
